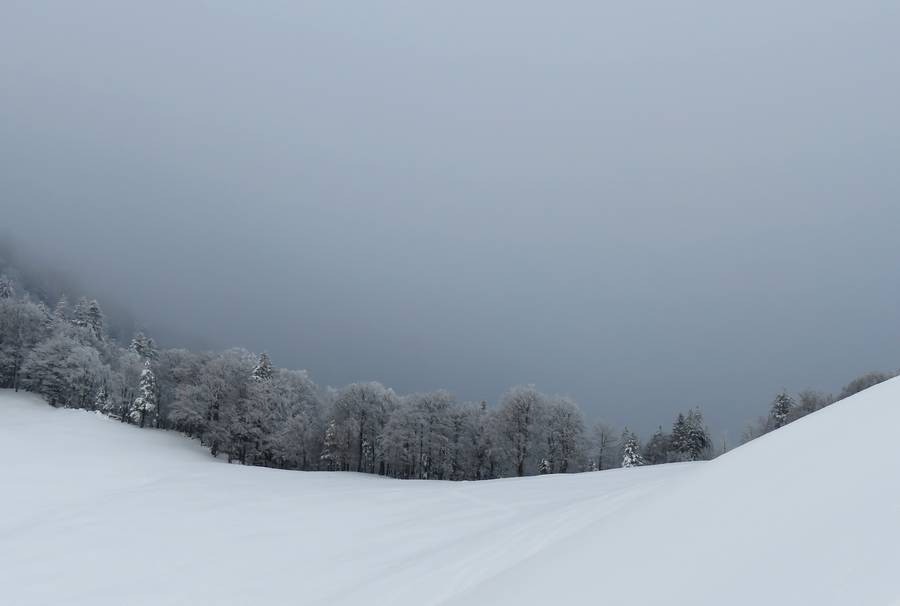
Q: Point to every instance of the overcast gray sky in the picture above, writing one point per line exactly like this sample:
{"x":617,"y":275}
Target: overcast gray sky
{"x":644,"y":205}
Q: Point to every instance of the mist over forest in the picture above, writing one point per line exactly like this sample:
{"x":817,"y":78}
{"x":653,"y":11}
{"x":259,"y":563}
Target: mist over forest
{"x":624,"y":206}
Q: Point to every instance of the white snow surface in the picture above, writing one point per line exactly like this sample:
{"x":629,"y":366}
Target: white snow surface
{"x":96,"y":512}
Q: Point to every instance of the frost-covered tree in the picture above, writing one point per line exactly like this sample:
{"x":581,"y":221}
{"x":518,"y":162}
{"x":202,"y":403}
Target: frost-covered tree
{"x":282,"y":420}
{"x":209,"y":406}
{"x":81,"y":314}
{"x":62,"y":312}
{"x":144,"y":346}
{"x":431,"y":414}
{"x":564,"y":434}
{"x":292,"y":429}
{"x":605,"y":444}
{"x":470,"y":441}
{"x":263,"y":369}
{"x":330,"y":447}
{"x":360,"y":413}
{"x":243,"y":432}
{"x":631,"y":450}
{"x":23,"y":324}
{"x":102,"y":401}
{"x":809,"y":401}
{"x":519,"y":419}
{"x":487,"y":444}
{"x":866,"y":381}
{"x":125,"y":378}
{"x":145,"y":403}
{"x":65,"y":371}
{"x":6,"y":288}
{"x":400,"y":442}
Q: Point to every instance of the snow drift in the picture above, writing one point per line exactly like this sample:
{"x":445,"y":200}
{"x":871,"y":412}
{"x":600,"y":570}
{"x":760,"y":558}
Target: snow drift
{"x":96,"y":512}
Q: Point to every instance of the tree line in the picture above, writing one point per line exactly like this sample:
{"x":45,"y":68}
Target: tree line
{"x":242,"y":407}
{"x":786,"y":408}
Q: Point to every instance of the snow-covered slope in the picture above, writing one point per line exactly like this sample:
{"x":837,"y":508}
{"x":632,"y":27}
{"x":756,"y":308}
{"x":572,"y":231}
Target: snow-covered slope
{"x":95,"y":512}
{"x":809,"y":514}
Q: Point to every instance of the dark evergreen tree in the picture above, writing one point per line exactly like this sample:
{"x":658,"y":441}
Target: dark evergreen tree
{"x":95,"y":319}
{"x":680,"y":435}
{"x":657,"y":449}
{"x":781,"y":408}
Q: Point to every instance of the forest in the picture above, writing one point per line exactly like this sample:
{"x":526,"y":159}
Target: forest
{"x":244,"y":408}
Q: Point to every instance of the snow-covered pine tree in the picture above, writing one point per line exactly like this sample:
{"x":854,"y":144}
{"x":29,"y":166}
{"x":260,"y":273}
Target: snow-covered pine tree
{"x":698,"y":438}
{"x":80,"y":317}
{"x":102,"y":401}
{"x":145,"y":402}
{"x":263,"y":370}
{"x":631,"y":450}
{"x":781,"y":408}
{"x":6,"y":288}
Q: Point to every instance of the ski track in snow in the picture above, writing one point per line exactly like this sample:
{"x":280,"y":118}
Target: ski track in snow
{"x":95,"y":512}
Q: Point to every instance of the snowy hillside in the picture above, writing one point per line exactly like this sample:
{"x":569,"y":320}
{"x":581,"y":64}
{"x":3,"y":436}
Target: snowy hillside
{"x":96,"y":512}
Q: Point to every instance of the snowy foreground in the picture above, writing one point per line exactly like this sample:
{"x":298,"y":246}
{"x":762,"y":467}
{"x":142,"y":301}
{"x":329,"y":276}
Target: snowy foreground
{"x":96,"y":512}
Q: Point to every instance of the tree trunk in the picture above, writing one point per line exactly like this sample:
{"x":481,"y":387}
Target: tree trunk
{"x":362,"y":423}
